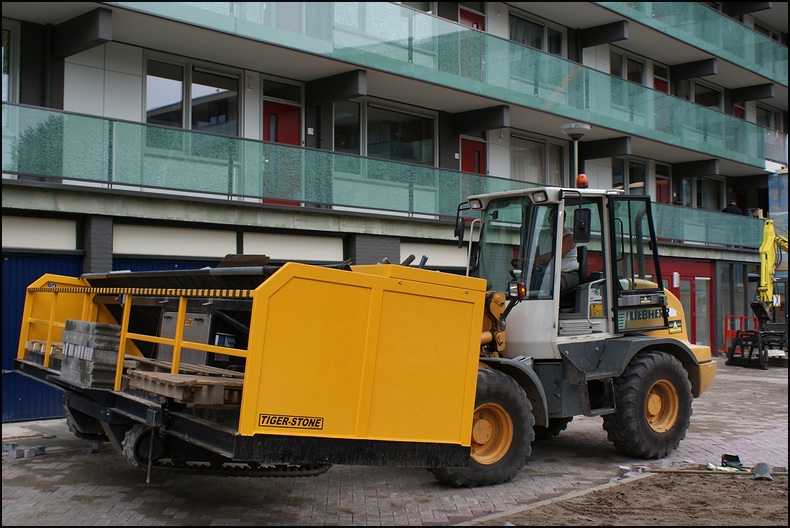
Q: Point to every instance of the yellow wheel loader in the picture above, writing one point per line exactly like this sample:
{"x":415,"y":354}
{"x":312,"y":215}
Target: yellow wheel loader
{"x":257,"y":370}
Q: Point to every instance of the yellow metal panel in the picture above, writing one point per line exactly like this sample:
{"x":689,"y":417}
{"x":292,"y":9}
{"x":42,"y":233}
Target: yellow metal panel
{"x":389,"y":354}
{"x":422,"y":368}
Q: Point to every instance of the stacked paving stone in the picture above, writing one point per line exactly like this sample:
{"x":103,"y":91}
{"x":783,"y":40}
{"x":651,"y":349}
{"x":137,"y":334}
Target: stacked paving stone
{"x":90,"y":353}
{"x":22,"y":452}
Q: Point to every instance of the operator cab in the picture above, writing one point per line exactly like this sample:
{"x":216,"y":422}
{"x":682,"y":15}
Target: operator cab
{"x":519,"y":252}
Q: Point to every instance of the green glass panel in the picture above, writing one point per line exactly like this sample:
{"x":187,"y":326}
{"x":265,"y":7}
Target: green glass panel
{"x":707,"y":29}
{"x":406,"y":42}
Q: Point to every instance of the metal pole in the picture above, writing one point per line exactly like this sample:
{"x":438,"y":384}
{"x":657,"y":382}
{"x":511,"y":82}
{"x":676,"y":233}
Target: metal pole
{"x":575,"y":163}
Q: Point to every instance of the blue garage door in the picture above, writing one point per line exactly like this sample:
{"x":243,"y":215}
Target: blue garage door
{"x":24,"y":398}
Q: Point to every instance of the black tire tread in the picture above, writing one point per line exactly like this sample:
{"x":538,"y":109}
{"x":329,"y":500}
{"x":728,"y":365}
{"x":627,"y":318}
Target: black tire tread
{"x":493,"y":385}
{"x":627,"y":427}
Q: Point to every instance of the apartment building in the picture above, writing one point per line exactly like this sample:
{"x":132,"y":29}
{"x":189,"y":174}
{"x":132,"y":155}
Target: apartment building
{"x":166,"y":135}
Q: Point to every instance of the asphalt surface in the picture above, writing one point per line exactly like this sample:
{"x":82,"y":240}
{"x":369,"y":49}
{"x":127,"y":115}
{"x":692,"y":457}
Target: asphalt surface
{"x":743,"y":413}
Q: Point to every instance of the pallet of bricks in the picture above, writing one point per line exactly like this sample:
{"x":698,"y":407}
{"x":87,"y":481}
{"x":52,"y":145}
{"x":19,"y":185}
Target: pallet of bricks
{"x":90,"y":353}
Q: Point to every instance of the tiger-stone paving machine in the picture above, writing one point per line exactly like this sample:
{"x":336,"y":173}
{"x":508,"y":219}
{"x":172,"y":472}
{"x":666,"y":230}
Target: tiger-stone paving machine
{"x":259,"y":370}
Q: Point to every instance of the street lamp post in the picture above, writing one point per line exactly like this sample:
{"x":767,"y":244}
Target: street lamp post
{"x":575,"y":131}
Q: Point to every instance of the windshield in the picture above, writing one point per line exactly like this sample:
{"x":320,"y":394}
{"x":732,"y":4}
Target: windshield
{"x":515,"y":232}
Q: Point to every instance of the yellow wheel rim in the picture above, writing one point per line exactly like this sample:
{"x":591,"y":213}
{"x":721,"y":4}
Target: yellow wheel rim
{"x":492,"y":433}
{"x":662,"y":406}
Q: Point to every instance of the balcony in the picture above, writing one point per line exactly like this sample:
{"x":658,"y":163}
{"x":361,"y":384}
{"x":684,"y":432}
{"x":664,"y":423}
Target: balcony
{"x":85,"y":152}
{"x":405,"y":42}
{"x":697,"y":25}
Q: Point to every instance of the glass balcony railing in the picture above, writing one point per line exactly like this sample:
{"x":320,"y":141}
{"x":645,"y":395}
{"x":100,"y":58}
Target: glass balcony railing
{"x":89,"y":150}
{"x":406,"y":42}
{"x":704,"y":28}
{"x":81,"y":150}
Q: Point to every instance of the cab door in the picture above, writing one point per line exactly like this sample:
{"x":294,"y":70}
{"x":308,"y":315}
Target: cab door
{"x":639,"y":300}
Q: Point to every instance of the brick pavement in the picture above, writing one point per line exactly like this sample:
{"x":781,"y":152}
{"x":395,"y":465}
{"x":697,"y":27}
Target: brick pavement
{"x":744,"y":412}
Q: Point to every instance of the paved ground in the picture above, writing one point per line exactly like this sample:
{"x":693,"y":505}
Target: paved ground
{"x":744,"y":412}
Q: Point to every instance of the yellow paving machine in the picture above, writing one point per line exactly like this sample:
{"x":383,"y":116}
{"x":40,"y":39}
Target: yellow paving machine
{"x":261,"y":370}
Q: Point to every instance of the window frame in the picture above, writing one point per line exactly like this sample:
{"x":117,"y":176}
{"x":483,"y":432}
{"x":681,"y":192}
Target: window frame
{"x":14,"y":29}
{"x":546,"y":143}
{"x":627,"y":185}
{"x":189,"y":67}
{"x":546,"y":25}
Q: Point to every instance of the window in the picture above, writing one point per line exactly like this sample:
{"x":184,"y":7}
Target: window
{"x":536,"y":35}
{"x":769,"y":118}
{"x":661,"y":78}
{"x":707,"y":96}
{"x":215,"y":103}
{"x":164,"y":90}
{"x":710,"y":193}
{"x":399,"y":136}
{"x":626,"y":67}
{"x":768,"y":32}
{"x":629,"y":175}
{"x":536,"y":161}
{"x":615,"y":64}
{"x":636,"y":70}
{"x":183,"y":95}
{"x":10,"y":62}
{"x":700,"y":192}
{"x":425,"y":7}
{"x":347,"y":119}
{"x":663,"y":183}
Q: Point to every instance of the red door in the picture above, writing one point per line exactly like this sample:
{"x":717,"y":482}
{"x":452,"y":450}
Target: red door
{"x":472,"y":20}
{"x":282,"y":172}
{"x":281,"y":123}
{"x":473,"y":156}
{"x":663,"y":192}
{"x":471,"y":54}
{"x":473,"y":160}
{"x":694,"y":288}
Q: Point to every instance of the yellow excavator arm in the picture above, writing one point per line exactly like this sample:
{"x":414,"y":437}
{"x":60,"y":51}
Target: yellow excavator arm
{"x":772,"y":244}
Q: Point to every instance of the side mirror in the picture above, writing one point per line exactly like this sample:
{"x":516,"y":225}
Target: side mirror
{"x":581,"y":225}
{"x":460,"y":223}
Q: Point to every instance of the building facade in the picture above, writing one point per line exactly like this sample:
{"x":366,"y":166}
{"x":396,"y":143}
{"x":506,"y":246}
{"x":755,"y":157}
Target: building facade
{"x":164,"y":135}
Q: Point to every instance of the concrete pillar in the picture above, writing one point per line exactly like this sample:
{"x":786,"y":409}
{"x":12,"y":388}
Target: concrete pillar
{"x":370,"y":249}
{"x":98,"y":244}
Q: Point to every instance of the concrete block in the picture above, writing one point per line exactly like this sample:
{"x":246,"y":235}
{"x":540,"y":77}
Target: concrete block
{"x":9,"y":446}
{"x":33,"y":451}
{"x":90,"y":446}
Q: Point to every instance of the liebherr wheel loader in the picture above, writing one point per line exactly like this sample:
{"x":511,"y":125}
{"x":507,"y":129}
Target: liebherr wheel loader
{"x":260,"y":370}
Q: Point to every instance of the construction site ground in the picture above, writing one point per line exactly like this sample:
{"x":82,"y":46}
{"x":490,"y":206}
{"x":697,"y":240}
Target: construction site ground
{"x":576,"y":478}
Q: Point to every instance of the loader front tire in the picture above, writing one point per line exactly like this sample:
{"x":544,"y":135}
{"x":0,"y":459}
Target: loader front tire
{"x":653,"y":406}
{"x":502,"y":433}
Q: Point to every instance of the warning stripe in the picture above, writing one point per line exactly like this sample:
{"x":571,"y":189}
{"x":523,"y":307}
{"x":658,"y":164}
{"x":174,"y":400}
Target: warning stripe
{"x":155,"y":292}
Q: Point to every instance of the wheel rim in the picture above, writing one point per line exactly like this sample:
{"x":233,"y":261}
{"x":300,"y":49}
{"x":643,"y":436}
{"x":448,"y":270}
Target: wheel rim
{"x":662,"y":406}
{"x":492,"y":433}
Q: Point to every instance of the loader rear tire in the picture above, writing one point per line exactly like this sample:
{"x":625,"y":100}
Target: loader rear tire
{"x":501,"y":433}
{"x":653,"y":406}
